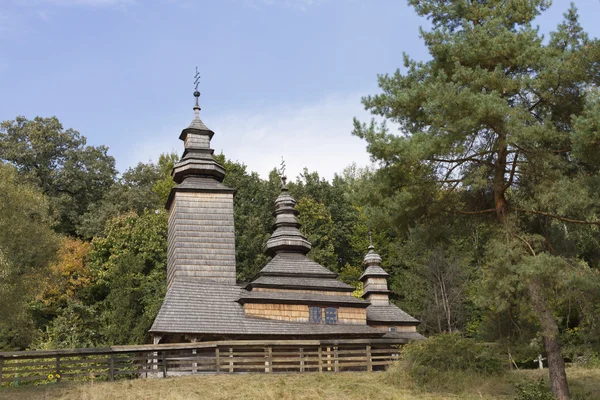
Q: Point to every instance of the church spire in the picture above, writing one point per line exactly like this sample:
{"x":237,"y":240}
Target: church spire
{"x":201,"y":236}
{"x":286,"y":235}
{"x":197,"y":160}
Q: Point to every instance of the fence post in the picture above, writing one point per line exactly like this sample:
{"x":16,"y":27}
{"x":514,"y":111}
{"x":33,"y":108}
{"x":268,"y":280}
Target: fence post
{"x":301,"y":359}
{"x":369,"y":360}
{"x":269,"y":359}
{"x":164,"y":363}
{"x":335,"y":358}
{"x":231,"y":359}
{"x":320,"y":359}
{"x":58,"y":369}
{"x":217,"y":359}
{"x":112,"y":367}
{"x":329,"y":359}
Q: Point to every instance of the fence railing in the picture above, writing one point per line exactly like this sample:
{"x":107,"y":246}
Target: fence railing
{"x":165,"y":360}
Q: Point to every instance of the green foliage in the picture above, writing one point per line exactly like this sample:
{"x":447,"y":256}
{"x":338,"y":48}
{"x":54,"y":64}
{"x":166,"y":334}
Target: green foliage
{"x":143,"y":187}
{"x":162,"y":187}
{"x":76,"y":326}
{"x":130,"y":264}
{"x":253,"y":206}
{"x":27,"y":247}
{"x":495,"y":148}
{"x":71,"y":174}
{"x":537,"y":390}
{"x":318,"y":227}
{"x":450,"y":352}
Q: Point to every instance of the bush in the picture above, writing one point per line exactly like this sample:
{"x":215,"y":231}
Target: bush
{"x":534,"y":391}
{"x":451,"y":352}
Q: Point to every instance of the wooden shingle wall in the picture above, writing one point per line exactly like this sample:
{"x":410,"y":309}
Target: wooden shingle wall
{"x":201,"y":239}
{"x":197,"y":141}
{"x":300,"y":313}
{"x":375,"y":284}
{"x":399,"y":328}
{"x":378,"y":299}
{"x":280,"y":312}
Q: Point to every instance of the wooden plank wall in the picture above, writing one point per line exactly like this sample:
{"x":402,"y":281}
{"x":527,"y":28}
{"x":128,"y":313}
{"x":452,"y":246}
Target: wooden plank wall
{"x":210,"y":357}
{"x":201,"y":238}
{"x":300,"y":313}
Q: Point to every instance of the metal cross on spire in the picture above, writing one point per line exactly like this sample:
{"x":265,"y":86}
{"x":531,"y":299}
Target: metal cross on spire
{"x":281,"y":172}
{"x":196,"y":79}
{"x":196,"y":83}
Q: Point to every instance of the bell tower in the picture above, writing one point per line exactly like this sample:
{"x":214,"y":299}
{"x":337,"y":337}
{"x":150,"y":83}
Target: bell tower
{"x":201,"y":238}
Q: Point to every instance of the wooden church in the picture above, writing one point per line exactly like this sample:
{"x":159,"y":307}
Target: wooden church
{"x":292,"y":297}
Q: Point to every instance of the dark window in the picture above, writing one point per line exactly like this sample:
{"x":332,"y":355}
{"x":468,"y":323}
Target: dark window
{"x":331,"y":315}
{"x":392,"y":329}
{"x":315,"y":315}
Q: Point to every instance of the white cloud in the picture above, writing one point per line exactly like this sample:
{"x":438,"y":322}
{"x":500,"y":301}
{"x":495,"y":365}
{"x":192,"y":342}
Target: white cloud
{"x":317,"y":136}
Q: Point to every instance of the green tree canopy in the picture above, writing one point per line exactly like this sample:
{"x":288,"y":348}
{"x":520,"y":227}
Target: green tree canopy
{"x":72,"y":174}
{"x":27,"y":246}
{"x":496,"y":123}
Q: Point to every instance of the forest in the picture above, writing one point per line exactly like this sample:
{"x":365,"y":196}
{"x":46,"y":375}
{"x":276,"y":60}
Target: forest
{"x":483,"y":200}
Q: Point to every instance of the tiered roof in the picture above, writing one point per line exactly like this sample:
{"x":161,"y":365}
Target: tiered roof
{"x":290,"y":268}
{"x":197,"y":169}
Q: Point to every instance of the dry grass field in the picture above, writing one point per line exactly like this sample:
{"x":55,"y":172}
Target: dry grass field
{"x":393,"y":384}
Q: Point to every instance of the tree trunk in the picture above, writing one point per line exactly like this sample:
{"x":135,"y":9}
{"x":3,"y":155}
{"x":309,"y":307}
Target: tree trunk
{"x":556,"y":363}
{"x":499,"y":184}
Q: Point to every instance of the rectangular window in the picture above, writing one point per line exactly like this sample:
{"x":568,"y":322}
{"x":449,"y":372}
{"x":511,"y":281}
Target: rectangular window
{"x":331,"y":315}
{"x":315,"y":315}
{"x":392,"y":329}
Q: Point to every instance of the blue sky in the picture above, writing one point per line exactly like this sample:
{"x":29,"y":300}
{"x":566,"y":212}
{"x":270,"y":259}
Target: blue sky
{"x":279,"y":77}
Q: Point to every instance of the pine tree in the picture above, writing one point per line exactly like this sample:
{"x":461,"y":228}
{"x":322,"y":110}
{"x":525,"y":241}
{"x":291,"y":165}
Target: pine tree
{"x":502,"y":124}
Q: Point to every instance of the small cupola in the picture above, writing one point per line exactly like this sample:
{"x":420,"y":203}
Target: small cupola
{"x":374,"y":279}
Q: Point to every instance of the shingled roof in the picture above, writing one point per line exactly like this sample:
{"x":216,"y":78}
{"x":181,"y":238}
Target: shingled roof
{"x":212,"y":309}
{"x":285,"y":263}
{"x":300,"y":282}
{"x":389,"y":314}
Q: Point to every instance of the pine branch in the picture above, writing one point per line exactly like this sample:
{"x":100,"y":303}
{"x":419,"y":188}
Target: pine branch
{"x":559,"y":217}
{"x":489,"y":210}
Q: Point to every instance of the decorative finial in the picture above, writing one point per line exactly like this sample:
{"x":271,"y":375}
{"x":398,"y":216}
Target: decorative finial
{"x":370,"y":240}
{"x":196,"y":92}
{"x":282,"y":173}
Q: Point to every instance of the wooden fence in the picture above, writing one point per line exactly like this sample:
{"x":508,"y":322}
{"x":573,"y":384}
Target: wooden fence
{"x":165,"y":360}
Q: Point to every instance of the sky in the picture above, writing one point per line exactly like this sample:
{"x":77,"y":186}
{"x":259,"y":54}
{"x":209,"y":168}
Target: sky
{"x":279,"y":78}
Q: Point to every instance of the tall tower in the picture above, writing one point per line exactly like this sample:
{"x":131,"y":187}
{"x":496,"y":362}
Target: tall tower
{"x":201,"y":238}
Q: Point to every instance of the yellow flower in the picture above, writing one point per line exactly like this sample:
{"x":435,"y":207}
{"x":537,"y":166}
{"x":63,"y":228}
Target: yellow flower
{"x":50,"y":377}
{"x":57,"y":376}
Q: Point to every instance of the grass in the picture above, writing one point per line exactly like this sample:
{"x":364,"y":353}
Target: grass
{"x":393,"y":385}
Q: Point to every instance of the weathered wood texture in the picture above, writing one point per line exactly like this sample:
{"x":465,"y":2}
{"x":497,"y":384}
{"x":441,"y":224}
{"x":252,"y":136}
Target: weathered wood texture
{"x":378,"y":299}
{"x":375,"y":284}
{"x":192,"y":358}
{"x":399,"y":328}
{"x":300,"y":313}
{"x":198,"y":141}
{"x":201,"y":239}
{"x":276,"y":290}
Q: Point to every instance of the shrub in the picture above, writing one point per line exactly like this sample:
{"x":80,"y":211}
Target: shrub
{"x":451,"y":352}
{"x":534,"y":391}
